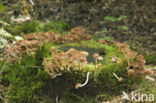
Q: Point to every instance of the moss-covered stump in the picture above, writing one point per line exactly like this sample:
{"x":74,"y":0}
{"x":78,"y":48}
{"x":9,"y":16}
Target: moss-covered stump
{"x":101,"y":80}
{"x":42,"y":78}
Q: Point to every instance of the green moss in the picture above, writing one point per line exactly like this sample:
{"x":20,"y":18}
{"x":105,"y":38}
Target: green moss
{"x":2,"y":8}
{"x":37,"y":26}
{"x":91,"y":44}
{"x":102,"y":80}
{"x":57,"y":26}
{"x":151,"y":59}
{"x":26,"y":79}
{"x":29,"y":83}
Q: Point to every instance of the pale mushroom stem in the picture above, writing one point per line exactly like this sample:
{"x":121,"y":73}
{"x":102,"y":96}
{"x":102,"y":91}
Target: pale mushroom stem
{"x":87,"y":78}
{"x":27,"y":50}
{"x":95,"y":63}
{"x":56,"y":75}
{"x":58,"y":64}
{"x":116,"y":76}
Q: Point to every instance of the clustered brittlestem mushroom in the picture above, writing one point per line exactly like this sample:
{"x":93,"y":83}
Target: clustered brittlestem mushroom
{"x":78,"y":85}
{"x":131,"y":72}
{"x":148,"y":72}
{"x":71,"y":59}
{"x":119,"y":79}
{"x":38,"y":39}
{"x":96,"y":56}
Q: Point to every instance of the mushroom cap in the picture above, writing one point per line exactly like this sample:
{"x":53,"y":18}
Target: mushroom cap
{"x":131,"y":72}
{"x":139,"y":57}
{"x":96,"y":56}
{"x":34,"y":42}
{"x":131,"y":55}
{"x":120,"y":79}
{"x":87,"y":37}
{"x":77,"y":85}
{"x":82,"y":60}
{"x":84,"y":53}
{"x":148,"y":72}
{"x":53,"y":49}
{"x":99,"y":65}
{"x":126,"y":50}
{"x":25,"y":43}
{"x":79,"y":30}
{"x":134,"y":64}
{"x":118,"y":44}
{"x":141,"y":68}
{"x":72,"y":50}
{"x":141,"y":61}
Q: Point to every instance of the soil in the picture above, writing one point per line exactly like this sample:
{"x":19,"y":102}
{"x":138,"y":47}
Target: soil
{"x":140,"y":19}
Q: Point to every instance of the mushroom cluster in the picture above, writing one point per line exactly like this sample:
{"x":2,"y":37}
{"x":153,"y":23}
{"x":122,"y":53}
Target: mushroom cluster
{"x":72,"y":59}
{"x":103,"y":42}
{"x":17,"y":50}
{"x":32,"y":41}
{"x":136,"y":63}
{"x":138,"y":67}
{"x":77,"y":34}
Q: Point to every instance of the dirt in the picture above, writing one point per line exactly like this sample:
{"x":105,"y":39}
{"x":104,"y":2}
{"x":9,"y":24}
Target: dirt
{"x":140,"y":19}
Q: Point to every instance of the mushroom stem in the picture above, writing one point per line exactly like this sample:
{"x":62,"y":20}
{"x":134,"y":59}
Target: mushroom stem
{"x":116,"y":76}
{"x":56,"y":75}
{"x":87,"y":79}
{"x":95,"y":63}
{"x":27,"y":50}
{"x":119,"y":79}
{"x":58,"y":64}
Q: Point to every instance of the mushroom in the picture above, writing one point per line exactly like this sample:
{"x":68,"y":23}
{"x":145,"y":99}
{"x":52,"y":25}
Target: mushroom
{"x":102,"y":42}
{"x":53,"y":49}
{"x":131,"y":72}
{"x":84,"y":53}
{"x":96,"y":56}
{"x":131,"y":55}
{"x":40,"y":44}
{"x":78,"y":85}
{"x":82,"y":61}
{"x":78,"y":30}
{"x":99,"y":65}
{"x":26,"y":43}
{"x":148,"y":72}
{"x":119,"y":79}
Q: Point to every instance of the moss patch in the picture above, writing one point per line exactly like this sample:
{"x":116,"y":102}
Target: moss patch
{"x":29,"y":82}
{"x":37,"y":26}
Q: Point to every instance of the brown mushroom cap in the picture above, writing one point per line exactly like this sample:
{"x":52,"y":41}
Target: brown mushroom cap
{"x":131,"y":72}
{"x":139,"y":57}
{"x":25,"y":43}
{"x":77,"y":85}
{"x":134,"y":64}
{"x":79,"y":30}
{"x":82,"y":60}
{"x":53,"y":49}
{"x":99,"y":65}
{"x":103,"y":42}
{"x":120,"y":79}
{"x":96,"y":56}
{"x":131,"y":55}
{"x":148,"y":72}
{"x":84,"y":53}
{"x":141,"y":61}
{"x":72,"y":50}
